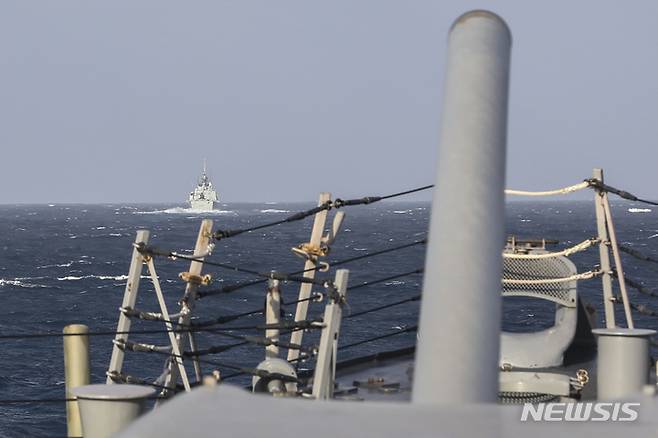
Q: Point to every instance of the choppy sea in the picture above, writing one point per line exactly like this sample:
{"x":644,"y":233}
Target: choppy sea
{"x":63,"y":264}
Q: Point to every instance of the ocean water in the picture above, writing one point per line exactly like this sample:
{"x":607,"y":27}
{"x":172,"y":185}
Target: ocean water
{"x":63,"y":264}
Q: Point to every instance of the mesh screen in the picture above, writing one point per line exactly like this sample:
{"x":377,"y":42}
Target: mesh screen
{"x":563,"y":293}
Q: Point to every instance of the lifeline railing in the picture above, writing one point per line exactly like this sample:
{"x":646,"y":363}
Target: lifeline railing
{"x":180,"y":326}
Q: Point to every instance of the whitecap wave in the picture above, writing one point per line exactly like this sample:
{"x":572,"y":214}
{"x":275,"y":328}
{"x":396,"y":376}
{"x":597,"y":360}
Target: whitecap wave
{"x":61,"y":265}
{"x":72,"y":277}
{"x":98,"y":277}
{"x":19,"y":283}
{"x":273,"y":210}
{"x":639,"y":210}
{"x":402,"y":211}
{"x":180,"y":210}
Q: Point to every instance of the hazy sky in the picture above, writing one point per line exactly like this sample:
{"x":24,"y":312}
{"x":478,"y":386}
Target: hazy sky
{"x":113,"y":101}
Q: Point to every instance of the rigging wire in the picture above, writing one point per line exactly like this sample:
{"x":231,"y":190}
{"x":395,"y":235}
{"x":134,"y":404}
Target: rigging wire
{"x":126,"y":378}
{"x":9,"y":401}
{"x":642,"y":309}
{"x":246,"y":370}
{"x":380,"y":252}
{"x":381,"y":280}
{"x":639,"y":287}
{"x":597,"y":184}
{"x":301,"y":325}
{"x":412,"y":328}
{"x":151,"y":251}
{"x":383,"y":306}
{"x":637,"y":254}
{"x":238,"y":286}
{"x":338,"y":203}
{"x":148,"y":316}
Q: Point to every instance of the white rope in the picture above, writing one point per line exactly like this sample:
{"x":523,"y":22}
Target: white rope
{"x":582,"y":246}
{"x":562,"y":191}
{"x":583,"y":276}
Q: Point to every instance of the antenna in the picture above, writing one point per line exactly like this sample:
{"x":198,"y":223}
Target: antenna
{"x":204,"y":166}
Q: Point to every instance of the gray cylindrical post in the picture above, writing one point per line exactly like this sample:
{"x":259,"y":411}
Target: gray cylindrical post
{"x":272,"y":316}
{"x":457,"y":354}
{"x":76,"y":371}
{"x":623,"y":362}
{"x":107,"y":409}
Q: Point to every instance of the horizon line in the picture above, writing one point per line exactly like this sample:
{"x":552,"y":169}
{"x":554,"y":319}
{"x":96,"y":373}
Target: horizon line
{"x":514,"y":200}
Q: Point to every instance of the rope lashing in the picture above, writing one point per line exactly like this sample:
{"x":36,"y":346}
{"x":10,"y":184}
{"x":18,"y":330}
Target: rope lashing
{"x":591,"y":183}
{"x":562,"y":191}
{"x":582,"y":246}
{"x":582,"y":276}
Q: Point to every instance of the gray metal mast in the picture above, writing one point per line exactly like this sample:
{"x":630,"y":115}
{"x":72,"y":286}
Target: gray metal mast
{"x":457,"y":355}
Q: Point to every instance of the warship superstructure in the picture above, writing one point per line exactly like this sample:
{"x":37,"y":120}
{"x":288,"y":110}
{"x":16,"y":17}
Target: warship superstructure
{"x":204,"y":195}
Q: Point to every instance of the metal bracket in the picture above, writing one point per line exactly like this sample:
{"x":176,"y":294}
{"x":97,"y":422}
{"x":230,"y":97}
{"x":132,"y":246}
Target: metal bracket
{"x":328,"y":240}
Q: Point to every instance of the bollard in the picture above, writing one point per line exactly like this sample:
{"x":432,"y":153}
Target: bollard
{"x":76,"y":372}
{"x":623,"y":362}
{"x":107,"y":409}
{"x":459,"y":345}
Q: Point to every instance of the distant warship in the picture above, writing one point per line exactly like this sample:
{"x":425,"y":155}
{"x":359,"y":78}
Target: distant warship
{"x":204,"y":196}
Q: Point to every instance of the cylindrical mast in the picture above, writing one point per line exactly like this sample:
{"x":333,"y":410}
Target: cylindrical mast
{"x":457,"y":355}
